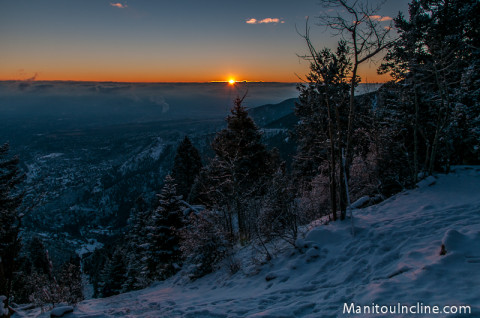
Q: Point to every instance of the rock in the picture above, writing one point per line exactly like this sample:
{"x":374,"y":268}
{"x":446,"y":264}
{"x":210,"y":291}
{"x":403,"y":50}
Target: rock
{"x":61,"y":311}
{"x":427,"y":182}
{"x":312,"y":253}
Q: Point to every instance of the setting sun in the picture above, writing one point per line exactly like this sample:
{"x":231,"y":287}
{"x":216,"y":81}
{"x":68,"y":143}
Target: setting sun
{"x":231,"y":81}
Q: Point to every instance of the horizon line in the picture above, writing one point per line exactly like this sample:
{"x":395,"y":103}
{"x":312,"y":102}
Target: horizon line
{"x":139,"y":82}
{"x":160,"y":82}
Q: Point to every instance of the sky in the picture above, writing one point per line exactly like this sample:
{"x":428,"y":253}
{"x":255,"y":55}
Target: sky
{"x":163,"y":41}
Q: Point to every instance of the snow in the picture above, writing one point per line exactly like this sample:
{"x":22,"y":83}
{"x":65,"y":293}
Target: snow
{"x":52,"y":155}
{"x":150,"y":153}
{"x":393,"y":258}
{"x":3,"y":310}
{"x":90,"y":246}
{"x":428,"y":181}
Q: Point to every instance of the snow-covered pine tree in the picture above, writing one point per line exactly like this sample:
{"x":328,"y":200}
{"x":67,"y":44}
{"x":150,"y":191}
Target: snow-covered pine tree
{"x":205,"y":241}
{"x":162,"y":253}
{"x":186,"y":167}
{"x":437,"y":64}
{"x":278,"y":216}
{"x":113,"y":275}
{"x":237,"y":172}
{"x":10,"y":219}
{"x":136,"y":246}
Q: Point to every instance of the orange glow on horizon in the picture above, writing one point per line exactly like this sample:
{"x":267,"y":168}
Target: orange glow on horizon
{"x":127,"y":76}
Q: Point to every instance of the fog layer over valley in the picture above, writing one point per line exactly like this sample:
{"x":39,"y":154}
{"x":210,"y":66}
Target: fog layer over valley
{"x":73,"y":105}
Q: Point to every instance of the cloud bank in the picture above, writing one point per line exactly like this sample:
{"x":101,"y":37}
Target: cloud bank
{"x":266,"y":20}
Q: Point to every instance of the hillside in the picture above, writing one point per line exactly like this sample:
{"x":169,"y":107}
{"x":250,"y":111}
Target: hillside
{"x":393,"y":258}
{"x":265,"y":114}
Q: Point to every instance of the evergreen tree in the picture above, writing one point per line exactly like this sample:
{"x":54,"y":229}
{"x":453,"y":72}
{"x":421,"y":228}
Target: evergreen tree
{"x":278,"y":217}
{"x":241,"y":144}
{"x":113,"y":274}
{"x":438,"y":65}
{"x":323,"y":110}
{"x":10,"y":219}
{"x":95,"y":264}
{"x":204,"y":241}
{"x":162,"y":250}
{"x":37,"y":253}
{"x":186,"y":167}
{"x":136,"y":246}
{"x":238,"y":171}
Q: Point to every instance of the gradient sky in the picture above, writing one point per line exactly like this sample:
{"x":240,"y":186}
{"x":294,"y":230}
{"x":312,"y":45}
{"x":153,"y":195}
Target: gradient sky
{"x":161,"y":41}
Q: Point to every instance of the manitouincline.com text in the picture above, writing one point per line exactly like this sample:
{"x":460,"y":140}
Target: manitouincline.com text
{"x":417,"y":309}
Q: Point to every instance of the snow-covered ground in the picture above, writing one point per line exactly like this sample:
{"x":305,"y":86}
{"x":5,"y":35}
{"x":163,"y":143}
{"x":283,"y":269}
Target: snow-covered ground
{"x":393,"y":258}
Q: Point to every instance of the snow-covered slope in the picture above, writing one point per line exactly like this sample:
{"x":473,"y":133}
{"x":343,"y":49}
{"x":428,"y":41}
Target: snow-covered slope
{"x":393,"y":258}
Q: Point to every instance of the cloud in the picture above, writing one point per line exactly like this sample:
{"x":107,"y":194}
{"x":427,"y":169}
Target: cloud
{"x":380,"y":18}
{"x":266,"y":20}
{"x":118,"y":5}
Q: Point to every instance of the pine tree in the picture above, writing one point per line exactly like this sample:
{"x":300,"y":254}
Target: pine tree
{"x":136,"y":246}
{"x":113,"y":274}
{"x":437,"y":63}
{"x":241,"y":144}
{"x":162,"y":250}
{"x":323,"y":129}
{"x":238,"y":170}
{"x":204,"y":241}
{"x":37,"y":253}
{"x":10,"y":219}
{"x":278,"y":217}
{"x":186,"y":167}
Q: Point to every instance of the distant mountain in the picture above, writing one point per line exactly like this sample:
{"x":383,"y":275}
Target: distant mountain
{"x":267,"y":114}
{"x":285,"y":122}
{"x":282,"y":115}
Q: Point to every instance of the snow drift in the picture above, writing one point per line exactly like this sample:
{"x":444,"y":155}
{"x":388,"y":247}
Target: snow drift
{"x":393,"y":258}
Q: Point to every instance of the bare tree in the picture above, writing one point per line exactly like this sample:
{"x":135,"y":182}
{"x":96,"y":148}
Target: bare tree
{"x":365,"y":34}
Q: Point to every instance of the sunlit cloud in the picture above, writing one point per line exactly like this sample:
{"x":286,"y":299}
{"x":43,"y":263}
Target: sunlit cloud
{"x":266,"y":20}
{"x":118,"y":5}
{"x":380,"y":18}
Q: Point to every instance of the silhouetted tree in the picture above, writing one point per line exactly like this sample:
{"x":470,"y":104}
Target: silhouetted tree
{"x":186,"y":167}
{"x":438,"y":65}
{"x":237,"y":172}
{"x":363,"y":37}
{"x":323,"y":110}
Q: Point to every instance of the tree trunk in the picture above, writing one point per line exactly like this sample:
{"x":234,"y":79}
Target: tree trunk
{"x":415,"y":138}
{"x":333,"y":185}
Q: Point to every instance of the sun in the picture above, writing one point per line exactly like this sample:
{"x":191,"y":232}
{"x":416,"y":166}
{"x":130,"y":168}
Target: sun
{"x":231,"y":81}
